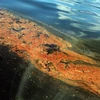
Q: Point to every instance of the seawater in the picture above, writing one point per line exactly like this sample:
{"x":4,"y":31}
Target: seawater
{"x":79,"y":18}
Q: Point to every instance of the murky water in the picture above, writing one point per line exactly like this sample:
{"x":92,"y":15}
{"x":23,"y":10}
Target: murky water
{"x":20,"y":80}
{"x":80,"y":18}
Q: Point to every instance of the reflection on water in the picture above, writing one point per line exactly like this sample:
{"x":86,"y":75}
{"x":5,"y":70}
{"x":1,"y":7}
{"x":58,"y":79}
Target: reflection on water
{"x":79,"y":18}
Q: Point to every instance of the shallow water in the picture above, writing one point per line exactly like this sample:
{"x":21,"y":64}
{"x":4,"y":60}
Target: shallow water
{"x":79,"y":18}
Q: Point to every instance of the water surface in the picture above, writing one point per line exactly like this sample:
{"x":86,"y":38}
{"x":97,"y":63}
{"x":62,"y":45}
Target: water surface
{"x":79,"y":18}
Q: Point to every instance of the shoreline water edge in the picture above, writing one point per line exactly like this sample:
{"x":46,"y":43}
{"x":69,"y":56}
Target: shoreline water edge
{"x":49,"y":53}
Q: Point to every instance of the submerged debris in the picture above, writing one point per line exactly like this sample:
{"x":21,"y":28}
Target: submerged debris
{"x":18,"y":30}
{"x":51,"y":48}
{"x":38,"y":34}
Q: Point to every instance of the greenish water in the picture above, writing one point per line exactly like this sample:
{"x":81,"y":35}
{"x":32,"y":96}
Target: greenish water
{"x":20,"y":80}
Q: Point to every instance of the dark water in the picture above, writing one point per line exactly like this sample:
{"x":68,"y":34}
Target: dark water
{"x":80,"y":18}
{"x":20,"y":80}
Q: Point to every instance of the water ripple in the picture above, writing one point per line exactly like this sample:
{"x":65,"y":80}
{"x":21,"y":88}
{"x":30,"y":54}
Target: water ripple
{"x":65,"y":15}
